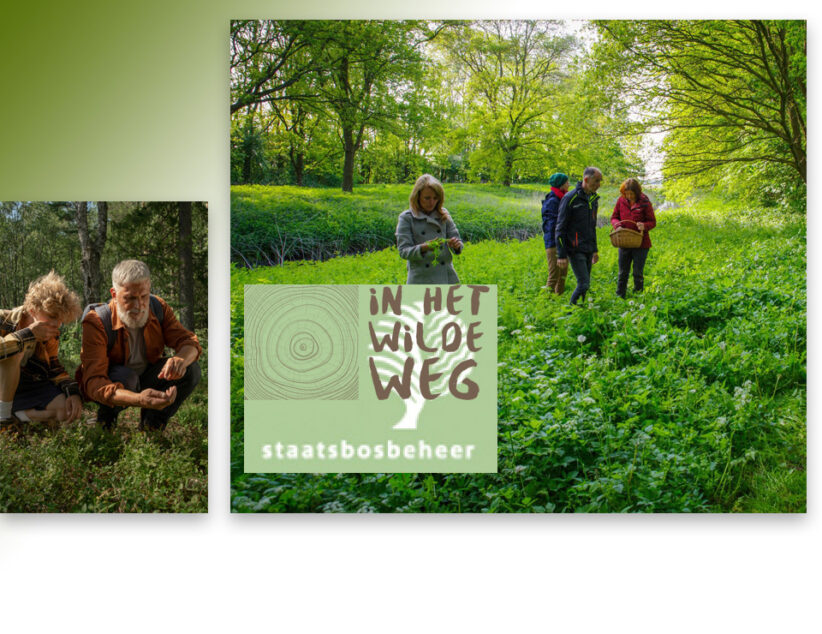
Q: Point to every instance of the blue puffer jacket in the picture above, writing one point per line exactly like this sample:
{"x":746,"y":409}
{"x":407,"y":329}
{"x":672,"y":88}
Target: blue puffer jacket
{"x":550,"y":209}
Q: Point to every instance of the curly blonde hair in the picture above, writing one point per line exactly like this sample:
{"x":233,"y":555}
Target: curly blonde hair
{"x":49,"y":294}
{"x":426,"y":180}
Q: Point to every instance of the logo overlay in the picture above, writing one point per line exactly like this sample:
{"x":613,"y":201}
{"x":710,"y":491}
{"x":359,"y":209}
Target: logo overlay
{"x":372,"y":379}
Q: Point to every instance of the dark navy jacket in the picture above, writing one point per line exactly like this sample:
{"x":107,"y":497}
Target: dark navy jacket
{"x":550,"y":209}
{"x":577,"y":222}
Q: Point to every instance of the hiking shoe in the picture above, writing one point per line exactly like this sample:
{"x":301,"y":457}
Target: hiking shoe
{"x":11,"y":425}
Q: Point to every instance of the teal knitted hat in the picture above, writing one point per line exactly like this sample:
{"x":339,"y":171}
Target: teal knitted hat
{"x":557,"y":179}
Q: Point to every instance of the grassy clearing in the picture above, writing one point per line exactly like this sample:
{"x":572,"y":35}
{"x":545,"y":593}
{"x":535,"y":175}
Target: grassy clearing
{"x":689,"y":397}
{"x":81,"y":468}
{"x":271,"y":225}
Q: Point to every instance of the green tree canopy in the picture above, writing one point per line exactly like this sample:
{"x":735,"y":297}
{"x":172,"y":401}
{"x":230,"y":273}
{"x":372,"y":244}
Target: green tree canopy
{"x":731,"y":95}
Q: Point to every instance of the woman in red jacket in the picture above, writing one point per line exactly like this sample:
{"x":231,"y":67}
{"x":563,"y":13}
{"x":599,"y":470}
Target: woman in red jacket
{"x":633,"y":210}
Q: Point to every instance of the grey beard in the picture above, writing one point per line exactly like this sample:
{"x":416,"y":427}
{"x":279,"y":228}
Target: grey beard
{"x":134,"y":322}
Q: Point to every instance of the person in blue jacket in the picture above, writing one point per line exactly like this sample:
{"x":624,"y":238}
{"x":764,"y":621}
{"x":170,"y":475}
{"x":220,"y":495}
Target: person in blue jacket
{"x":577,"y":230}
{"x":550,"y":208}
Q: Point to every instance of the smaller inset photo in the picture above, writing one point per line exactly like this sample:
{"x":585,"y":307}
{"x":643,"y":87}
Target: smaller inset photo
{"x":104,"y":357}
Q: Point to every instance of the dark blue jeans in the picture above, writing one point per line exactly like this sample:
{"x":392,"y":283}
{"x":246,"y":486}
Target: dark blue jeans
{"x":626,"y":257}
{"x":581,"y":264}
{"x":149,"y":418}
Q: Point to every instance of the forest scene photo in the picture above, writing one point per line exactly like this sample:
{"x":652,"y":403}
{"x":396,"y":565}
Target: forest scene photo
{"x":82,"y":465}
{"x":685,"y":395}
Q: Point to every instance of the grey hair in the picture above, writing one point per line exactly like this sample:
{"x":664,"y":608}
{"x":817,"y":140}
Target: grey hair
{"x":128,"y":272}
{"x":591,"y":171}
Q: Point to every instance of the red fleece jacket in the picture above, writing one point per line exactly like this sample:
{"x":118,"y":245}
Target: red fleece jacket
{"x":640,"y":211}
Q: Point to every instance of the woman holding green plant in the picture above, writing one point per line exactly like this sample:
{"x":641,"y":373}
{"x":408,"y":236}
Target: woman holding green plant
{"x":427,"y":236}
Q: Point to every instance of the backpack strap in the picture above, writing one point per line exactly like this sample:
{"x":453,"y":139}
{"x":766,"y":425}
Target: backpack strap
{"x":104,"y":313}
{"x":156,"y":308}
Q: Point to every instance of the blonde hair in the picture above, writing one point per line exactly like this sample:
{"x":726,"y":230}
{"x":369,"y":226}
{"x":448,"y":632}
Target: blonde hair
{"x":49,"y":294}
{"x":128,"y":272}
{"x":426,"y":180}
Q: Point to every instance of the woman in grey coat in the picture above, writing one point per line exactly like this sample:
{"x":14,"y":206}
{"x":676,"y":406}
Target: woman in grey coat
{"x":427,"y":220}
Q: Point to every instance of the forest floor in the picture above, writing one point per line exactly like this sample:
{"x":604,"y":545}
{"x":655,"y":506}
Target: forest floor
{"x":80,"y":467}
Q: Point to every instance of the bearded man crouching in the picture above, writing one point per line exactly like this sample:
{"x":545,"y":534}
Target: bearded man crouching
{"x":122,"y":355}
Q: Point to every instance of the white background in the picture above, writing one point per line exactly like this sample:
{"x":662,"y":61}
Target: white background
{"x":439,"y":573}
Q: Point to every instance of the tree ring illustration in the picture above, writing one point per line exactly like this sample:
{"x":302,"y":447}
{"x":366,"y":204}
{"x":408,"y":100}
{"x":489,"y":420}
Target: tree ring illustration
{"x":301,"y":343}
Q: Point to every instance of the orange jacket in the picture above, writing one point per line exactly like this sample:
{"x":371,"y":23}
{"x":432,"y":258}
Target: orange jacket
{"x":95,"y":357}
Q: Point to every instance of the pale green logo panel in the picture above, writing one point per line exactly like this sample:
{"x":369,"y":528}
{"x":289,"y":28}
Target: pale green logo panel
{"x":388,"y":379}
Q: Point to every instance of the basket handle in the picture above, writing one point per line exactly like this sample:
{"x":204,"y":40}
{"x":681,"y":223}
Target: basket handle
{"x":641,"y":231}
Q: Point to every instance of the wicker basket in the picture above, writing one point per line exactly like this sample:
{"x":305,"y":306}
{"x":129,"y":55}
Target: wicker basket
{"x":624,"y":238}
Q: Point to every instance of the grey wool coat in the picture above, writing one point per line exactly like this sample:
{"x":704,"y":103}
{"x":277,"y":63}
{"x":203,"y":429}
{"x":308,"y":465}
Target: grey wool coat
{"x":412,"y":230}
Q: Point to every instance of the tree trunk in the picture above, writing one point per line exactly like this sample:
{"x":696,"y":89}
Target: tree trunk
{"x":349,"y":150}
{"x":297,"y":158}
{"x":248,"y":150}
{"x":91,"y":248}
{"x":184,"y":251}
{"x":508,"y":169}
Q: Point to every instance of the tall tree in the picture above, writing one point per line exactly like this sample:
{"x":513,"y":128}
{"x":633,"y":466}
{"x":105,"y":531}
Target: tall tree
{"x":92,"y":242}
{"x":728,"y":93}
{"x":367,"y":68}
{"x":268,"y":56}
{"x":513,"y":72}
{"x":184,"y":252}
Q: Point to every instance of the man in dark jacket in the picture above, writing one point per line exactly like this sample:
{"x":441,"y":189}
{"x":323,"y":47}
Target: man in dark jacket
{"x":577,"y":230}
{"x":550,"y":209}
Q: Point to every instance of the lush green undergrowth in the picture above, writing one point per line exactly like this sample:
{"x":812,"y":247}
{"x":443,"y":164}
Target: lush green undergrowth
{"x":689,"y":397}
{"x":271,"y":225}
{"x":81,"y":468}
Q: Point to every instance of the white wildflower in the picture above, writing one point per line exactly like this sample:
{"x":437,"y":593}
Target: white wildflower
{"x":582,"y":338}
{"x":516,"y":332}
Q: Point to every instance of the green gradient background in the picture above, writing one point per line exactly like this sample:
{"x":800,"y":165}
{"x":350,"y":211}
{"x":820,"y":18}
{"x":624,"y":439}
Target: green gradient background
{"x":107,"y":100}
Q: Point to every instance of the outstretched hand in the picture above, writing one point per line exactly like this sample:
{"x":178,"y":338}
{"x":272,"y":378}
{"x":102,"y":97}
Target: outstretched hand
{"x":155,"y":399}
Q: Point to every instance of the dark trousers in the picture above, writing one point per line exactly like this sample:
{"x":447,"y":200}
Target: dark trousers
{"x":626,"y":257}
{"x":149,"y":418}
{"x":581,"y":264}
